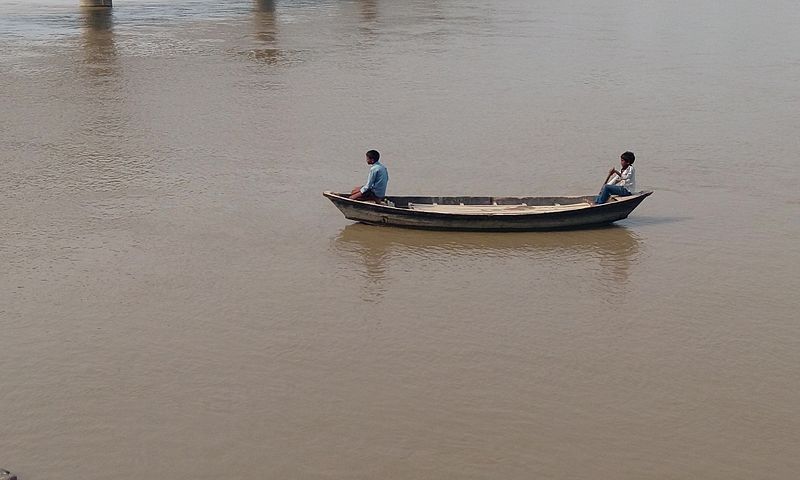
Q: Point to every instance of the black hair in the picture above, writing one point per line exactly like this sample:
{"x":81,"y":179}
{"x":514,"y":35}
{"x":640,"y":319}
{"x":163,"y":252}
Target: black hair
{"x":628,"y":157}
{"x":374,"y":155}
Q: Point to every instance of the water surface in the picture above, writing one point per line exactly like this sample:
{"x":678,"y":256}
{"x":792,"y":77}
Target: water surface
{"x":177,"y":297}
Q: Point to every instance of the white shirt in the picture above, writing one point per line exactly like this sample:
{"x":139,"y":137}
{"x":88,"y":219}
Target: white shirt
{"x":627,"y":180}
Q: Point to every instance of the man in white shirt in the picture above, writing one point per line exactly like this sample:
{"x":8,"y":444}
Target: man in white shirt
{"x":622,"y":183}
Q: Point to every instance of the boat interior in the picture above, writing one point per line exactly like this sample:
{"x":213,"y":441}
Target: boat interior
{"x":489,"y":205}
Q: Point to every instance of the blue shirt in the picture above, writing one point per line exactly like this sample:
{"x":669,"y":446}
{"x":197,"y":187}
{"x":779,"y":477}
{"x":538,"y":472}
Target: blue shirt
{"x":377,"y":180}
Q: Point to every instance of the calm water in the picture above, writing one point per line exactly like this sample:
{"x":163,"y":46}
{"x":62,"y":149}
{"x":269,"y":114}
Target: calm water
{"x":177,"y":299}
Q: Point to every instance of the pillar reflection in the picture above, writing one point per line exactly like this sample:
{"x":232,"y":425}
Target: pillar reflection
{"x":99,"y":46}
{"x":265,"y":5}
{"x":103,"y":124}
{"x":96,"y":3}
{"x":367,"y":15}
{"x":368,"y":10}
{"x":266,"y":31}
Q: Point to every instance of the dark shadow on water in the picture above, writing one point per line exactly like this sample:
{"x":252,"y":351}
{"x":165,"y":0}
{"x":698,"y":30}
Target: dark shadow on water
{"x":609,"y":240}
{"x":645,"y":220}
{"x":613,"y":248}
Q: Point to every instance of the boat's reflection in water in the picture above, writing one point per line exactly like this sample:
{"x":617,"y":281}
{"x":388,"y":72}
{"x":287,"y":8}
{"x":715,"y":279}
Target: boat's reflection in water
{"x":603,"y":254}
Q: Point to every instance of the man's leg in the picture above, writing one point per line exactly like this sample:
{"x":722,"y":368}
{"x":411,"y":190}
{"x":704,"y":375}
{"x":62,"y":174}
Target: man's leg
{"x":609,"y":190}
{"x":369,"y":196}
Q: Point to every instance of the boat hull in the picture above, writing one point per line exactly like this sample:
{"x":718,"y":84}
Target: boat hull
{"x":402,"y":216}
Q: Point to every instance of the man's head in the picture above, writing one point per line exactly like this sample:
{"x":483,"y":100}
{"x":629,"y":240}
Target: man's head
{"x":373,"y":156}
{"x":627,"y":158}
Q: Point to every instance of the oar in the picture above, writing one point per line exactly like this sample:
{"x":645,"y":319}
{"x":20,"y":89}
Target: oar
{"x":612,"y":172}
{"x":605,"y":182}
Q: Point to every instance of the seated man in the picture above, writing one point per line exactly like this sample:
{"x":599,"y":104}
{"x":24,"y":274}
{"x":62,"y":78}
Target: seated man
{"x":622,"y":183}
{"x":375,"y":188}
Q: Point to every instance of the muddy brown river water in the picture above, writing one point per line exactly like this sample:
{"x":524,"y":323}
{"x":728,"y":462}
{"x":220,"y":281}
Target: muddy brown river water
{"x":178,"y":300}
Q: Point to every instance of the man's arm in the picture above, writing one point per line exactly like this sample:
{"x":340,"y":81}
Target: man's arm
{"x":370,"y":180}
{"x":367,"y":186}
{"x":611,"y":173}
{"x":355,"y":194}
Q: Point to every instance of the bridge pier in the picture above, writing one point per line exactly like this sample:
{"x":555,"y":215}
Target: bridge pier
{"x":96,"y":3}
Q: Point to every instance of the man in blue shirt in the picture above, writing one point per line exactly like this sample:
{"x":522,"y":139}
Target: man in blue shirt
{"x":375,"y":188}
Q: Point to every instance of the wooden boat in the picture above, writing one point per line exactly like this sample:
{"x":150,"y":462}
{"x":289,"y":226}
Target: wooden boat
{"x":488,"y":213}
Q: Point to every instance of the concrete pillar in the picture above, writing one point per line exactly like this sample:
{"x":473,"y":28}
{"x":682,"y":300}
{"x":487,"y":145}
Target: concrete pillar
{"x":96,"y":3}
